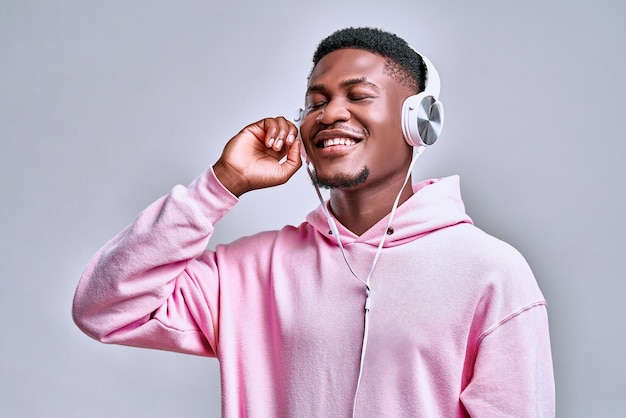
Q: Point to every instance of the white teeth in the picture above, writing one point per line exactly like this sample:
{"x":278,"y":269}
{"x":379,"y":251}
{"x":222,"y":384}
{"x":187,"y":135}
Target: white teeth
{"x":338,"y":141}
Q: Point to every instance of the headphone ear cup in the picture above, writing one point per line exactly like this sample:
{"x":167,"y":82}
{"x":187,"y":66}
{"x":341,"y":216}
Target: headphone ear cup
{"x":422,"y":119}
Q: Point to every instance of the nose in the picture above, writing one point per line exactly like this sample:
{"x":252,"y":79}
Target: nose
{"x":334,"y":111}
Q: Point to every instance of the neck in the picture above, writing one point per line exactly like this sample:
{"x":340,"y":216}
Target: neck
{"x":361,"y":208}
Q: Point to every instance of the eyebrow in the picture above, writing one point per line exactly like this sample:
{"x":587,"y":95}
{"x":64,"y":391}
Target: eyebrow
{"x":344,"y":84}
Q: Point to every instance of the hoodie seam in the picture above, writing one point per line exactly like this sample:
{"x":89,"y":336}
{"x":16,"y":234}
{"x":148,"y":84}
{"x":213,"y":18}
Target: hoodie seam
{"x":503,"y":321}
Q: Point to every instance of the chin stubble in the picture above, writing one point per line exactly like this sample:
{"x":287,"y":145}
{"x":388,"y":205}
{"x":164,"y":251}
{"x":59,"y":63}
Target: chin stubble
{"x":341,"y":182}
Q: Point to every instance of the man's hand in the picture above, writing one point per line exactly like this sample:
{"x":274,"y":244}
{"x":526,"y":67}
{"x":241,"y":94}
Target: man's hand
{"x":250,"y":160}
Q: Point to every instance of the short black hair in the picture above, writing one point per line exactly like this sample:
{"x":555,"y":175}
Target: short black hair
{"x":403,"y":63}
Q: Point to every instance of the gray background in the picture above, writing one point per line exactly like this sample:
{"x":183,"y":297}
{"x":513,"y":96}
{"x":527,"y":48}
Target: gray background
{"x":104,"y":106}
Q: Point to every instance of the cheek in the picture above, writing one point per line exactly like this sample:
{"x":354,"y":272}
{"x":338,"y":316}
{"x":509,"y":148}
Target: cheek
{"x":386,"y":126}
{"x":307,"y":124}
{"x":383,"y":122}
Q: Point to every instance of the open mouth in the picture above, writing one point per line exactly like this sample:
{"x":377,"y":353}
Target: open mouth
{"x":332,"y":142}
{"x":340,"y":138}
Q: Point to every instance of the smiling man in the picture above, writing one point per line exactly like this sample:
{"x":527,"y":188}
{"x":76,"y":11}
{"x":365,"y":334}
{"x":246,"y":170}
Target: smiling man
{"x":403,"y":309}
{"x":353,"y":135}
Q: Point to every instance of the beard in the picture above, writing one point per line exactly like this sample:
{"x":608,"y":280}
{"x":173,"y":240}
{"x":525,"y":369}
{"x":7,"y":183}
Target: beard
{"x":342,"y":181}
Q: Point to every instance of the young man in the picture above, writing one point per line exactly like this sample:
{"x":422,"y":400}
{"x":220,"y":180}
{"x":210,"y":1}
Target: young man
{"x":455,"y":324}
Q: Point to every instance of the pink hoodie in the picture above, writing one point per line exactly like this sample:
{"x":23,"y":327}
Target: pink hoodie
{"x":458,"y":324}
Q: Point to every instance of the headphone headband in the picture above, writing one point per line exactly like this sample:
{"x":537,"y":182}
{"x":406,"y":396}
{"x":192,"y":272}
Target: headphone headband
{"x":433,"y":82}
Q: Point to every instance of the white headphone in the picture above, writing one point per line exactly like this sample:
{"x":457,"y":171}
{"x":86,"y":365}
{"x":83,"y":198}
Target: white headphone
{"x":422,"y":113}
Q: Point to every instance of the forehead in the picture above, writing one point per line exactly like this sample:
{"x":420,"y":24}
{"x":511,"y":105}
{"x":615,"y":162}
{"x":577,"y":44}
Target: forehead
{"x":345,"y":64}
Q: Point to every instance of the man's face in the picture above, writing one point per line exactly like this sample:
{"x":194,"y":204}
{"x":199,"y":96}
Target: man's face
{"x":352,"y":125}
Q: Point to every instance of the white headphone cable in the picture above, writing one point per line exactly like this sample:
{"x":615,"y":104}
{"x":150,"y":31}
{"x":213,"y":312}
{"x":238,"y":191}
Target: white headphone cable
{"x":333,"y":227}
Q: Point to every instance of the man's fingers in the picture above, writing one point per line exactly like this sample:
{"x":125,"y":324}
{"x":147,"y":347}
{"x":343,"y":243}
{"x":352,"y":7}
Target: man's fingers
{"x":278,"y":132}
{"x":293,"y":161}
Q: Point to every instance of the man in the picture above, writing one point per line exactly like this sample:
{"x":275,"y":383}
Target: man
{"x":420,"y":315}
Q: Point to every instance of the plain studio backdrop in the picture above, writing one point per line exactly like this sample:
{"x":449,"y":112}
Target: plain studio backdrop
{"x":105,"y":106}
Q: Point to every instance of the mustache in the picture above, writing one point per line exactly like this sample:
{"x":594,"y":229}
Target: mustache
{"x":342,"y":127}
{"x":339,"y":126}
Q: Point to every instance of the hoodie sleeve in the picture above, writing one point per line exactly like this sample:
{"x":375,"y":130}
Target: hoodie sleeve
{"x":146,"y":287}
{"x":513,"y":369}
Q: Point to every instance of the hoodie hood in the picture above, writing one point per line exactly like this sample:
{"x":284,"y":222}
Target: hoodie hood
{"x":435,"y":204}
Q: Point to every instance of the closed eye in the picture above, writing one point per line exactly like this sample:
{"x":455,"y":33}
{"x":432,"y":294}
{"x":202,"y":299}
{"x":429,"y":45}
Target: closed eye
{"x":313,"y":106}
{"x":360,"y":97}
